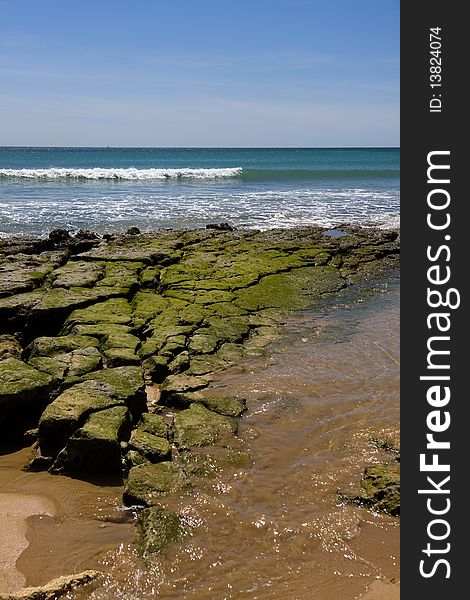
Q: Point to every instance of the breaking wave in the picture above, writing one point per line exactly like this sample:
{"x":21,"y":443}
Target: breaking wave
{"x":130,"y":174}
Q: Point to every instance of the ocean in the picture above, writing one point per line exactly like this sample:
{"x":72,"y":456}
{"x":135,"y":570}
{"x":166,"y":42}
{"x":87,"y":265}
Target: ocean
{"x":112,"y":189}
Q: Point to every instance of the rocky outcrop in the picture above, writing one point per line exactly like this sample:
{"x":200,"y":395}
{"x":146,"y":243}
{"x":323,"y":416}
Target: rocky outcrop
{"x":87,"y":323}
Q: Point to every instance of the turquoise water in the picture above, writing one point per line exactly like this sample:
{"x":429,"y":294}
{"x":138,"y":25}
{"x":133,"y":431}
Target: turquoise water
{"x":110,"y":189}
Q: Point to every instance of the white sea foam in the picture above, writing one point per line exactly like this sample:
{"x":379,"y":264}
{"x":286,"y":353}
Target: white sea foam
{"x":120,"y":174}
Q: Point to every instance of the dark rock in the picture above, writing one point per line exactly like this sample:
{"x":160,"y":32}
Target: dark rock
{"x":85,"y":234}
{"x":38,"y":463}
{"x":133,"y":231}
{"x":219,"y":226}
{"x":59,"y":236}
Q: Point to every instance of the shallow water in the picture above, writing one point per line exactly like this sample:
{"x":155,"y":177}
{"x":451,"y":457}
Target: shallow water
{"x":277,"y":529}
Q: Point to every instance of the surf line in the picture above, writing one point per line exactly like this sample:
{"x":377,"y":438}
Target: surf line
{"x":441,"y":299}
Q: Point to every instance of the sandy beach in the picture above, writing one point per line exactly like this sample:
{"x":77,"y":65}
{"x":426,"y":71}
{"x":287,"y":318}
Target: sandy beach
{"x":14,"y":512}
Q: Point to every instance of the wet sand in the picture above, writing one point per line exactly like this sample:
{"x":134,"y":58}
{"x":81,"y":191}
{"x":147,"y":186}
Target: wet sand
{"x":53,"y":525}
{"x":15,"y":509}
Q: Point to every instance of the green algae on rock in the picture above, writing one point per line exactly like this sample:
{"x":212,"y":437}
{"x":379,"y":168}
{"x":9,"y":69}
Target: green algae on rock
{"x":154,"y":424}
{"x":198,"y":426}
{"x":230,"y":406}
{"x":95,"y":447}
{"x":23,"y":394}
{"x":158,"y":529}
{"x":147,"y":482}
{"x":152,"y":447}
{"x":380,"y":488}
{"x":50,"y":346}
{"x":69,"y":411}
{"x":125,"y":383}
{"x":97,"y":321}
{"x":209,"y":461}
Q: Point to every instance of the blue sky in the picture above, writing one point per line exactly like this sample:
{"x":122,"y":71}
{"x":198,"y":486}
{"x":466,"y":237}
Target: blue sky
{"x":199,"y":72}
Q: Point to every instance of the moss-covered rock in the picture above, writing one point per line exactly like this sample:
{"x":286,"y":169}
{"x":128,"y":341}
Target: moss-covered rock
{"x":296,"y":289}
{"x":50,"y":346}
{"x":156,"y":368}
{"x":55,"y":305}
{"x":154,"y":424}
{"x":168,"y":308}
{"x":24,"y":392}
{"x":380,"y":488}
{"x":150,"y":446}
{"x":207,"y":363}
{"x":78,"y":274}
{"x":231,"y":353}
{"x":158,"y":529}
{"x":121,"y":274}
{"x":203,"y":343}
{"x":230,"y":329}
{"x":146,"y":306}
{"x":71,"y":365}
{"x":180,"y":363}
{"x":15,"y":310}
{"x":118,"y":357}
{"x":116,"y":311}
{"x":21,"y":272}
{"x":95,"y":447}
{"x":175,"y":385}
{"x":120,"y":349}
{"x":69,"y":411}
{"x":125,"y":383}
{"x":230,"y":406}
{"x":84,"y":361}
{"x":198,"y":426}
{"x":120,"y":340}
{"x":133,"y":459}
{"x":208,"y":462}
{"x":149,"y":277}
{"x":146,"y":483}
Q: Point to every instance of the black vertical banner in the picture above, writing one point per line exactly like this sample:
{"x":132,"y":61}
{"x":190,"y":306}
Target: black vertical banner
{"x":435,"y":321}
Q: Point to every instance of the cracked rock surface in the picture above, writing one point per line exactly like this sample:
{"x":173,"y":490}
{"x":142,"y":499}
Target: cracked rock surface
{"x":106,"y":345}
